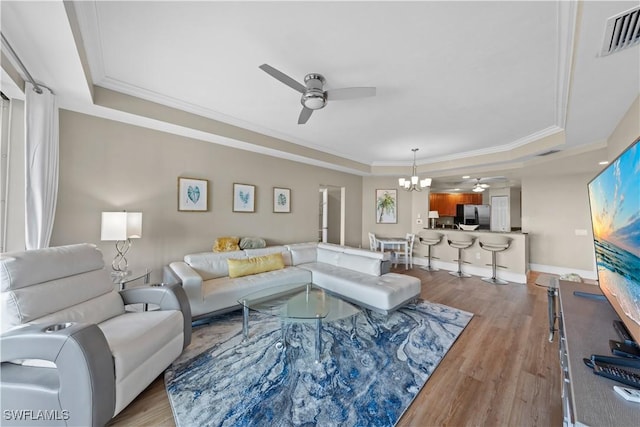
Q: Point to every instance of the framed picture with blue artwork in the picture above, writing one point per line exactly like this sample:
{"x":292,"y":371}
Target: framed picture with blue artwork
{"x":244,"y":198}
{"x":281,"y":200}
{"x":192,"y":194}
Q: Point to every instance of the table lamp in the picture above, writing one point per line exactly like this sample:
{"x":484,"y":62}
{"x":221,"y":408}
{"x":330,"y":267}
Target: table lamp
{"x":433,"y":215}
{"x":121,"y":227}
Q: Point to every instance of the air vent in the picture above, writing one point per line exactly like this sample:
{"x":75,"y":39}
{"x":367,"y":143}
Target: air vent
{"x":546,"y":153}
{"x":621,"y":31}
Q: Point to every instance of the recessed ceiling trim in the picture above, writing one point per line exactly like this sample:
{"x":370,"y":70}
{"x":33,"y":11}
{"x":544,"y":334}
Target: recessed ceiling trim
{"x":551,"y":130}
{"x":567,"y":17}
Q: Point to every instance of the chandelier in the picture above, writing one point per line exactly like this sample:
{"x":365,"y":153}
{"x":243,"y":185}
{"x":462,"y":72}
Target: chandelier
{"x":414,"y":183}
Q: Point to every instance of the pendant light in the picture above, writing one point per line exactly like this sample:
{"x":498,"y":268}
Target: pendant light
{"x":414,"y":183}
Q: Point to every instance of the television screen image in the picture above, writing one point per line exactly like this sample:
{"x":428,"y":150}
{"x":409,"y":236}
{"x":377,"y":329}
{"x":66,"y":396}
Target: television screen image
{"x":614,"y":196}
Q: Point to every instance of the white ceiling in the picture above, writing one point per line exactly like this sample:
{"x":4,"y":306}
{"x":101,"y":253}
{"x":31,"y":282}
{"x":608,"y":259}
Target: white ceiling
{"x":454,"y":79}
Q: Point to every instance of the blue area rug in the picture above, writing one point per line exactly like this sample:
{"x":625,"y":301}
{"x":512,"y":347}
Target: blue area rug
{"x":364,"y":380}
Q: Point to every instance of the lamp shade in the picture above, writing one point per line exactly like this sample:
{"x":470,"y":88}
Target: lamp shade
{"x":121,"y":225}
{"x":434,"y":214}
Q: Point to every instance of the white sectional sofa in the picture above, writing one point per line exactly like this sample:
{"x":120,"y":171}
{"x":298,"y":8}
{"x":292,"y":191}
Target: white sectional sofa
{"x":356,"y":275}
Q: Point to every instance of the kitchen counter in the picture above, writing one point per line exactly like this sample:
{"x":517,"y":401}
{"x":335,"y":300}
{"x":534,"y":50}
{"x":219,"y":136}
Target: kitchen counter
{"x":515,"y":259}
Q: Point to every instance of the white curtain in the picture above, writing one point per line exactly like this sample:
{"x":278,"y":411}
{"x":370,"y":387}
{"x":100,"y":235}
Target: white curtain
{"x":41,"y":167}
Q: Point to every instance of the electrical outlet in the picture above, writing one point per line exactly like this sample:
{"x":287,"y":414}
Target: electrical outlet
{"x":477,"y":255}
{"x":418,"y":221}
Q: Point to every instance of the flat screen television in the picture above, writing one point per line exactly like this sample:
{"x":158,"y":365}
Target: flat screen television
{"x":614,"y":198}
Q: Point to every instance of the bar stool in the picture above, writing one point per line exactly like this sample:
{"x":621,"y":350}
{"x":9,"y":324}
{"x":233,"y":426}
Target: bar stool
{"x":429,"y":239}
{"x":494,"y":244}
{"x":460,"y":241}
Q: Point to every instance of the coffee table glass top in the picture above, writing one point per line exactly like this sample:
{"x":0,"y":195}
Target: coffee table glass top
{"x":298,"y":301}
{"x":301,"y":302}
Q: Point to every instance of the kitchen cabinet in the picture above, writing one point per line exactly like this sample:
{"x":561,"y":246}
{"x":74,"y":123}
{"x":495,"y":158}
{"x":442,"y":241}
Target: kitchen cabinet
{"x":445,"y":203}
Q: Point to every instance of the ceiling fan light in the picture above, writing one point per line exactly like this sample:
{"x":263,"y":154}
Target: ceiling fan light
{"x":477,"y":189}
{"x":313,"y":102}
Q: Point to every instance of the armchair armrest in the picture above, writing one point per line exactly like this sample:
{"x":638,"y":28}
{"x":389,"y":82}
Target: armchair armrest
{"x":168,"y":297}
{"x":191,"y":280}
{"x":85,"y":383}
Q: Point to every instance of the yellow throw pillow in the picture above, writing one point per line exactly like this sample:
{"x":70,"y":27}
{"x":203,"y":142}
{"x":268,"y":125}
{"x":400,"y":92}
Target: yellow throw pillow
{"x":226,"y":244}
{"x":259,"y":264}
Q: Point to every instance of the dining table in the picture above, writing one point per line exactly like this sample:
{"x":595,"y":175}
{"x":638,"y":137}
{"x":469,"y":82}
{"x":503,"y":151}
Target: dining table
{"x":400,"y":243}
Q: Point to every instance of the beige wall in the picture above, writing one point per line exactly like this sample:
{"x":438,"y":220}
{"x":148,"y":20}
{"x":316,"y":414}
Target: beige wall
{"x":627,"y":131}
{"x":107,"y":165}
{"x":410,"y":204}
{"x":555,"y":210}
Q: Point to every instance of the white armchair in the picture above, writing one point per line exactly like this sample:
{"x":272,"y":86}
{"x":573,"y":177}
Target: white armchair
{"x":68,"y":347}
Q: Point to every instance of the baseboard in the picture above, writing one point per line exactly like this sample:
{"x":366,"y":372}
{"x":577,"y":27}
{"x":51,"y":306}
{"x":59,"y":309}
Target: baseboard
{"x":474,"y":270}
{"x":552,"y":269}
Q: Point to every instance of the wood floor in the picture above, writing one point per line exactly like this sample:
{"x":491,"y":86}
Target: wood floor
{"x":502,"y":370}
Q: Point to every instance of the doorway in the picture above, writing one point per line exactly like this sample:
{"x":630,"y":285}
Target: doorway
{"x":331,"y":218}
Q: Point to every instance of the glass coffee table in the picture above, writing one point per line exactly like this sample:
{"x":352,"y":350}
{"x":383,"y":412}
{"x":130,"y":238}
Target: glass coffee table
{"x":301,"y":302}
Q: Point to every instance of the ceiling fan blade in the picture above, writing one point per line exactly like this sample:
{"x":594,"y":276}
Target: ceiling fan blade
{"x":304,"y":115}
{"x":350,"y":93}
{"x":279,"y":75}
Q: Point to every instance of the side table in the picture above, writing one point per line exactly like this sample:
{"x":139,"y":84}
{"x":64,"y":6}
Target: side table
{"x":126,"y":277}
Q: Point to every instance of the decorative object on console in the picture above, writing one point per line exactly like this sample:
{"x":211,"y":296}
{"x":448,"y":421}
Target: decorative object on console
{"x":414,"y":183}
{"x":121,"y":227}
{"x":369,"y":379}
{"x":281,"y":200}
{"x":244,"y":198}
{"x":386,"y":206}
{"x":192,"y":195}
{"x":433,"y":215}
{"x":226,"y":244}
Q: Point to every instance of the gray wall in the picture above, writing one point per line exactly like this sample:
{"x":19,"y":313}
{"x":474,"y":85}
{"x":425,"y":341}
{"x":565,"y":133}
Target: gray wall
{"x":107,"y":165}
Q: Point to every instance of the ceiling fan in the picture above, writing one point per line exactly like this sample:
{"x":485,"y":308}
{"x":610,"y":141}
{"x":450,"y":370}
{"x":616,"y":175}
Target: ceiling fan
{"x":478,"y":187}
{"x":313,"y":95}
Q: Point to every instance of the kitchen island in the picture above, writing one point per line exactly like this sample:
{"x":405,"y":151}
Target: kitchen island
{"x":477,"y":261}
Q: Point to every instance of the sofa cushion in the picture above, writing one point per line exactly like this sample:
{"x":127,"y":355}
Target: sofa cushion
{"x":302,"y":253}
{"x":225,"y":292}
{"x":226,"y":244}
{"x":22,"y":269}
{"x":134,"y":337}
{"x":72,"y":295}
{"x":211,"y":265}
{"x":384,"y":292}
{"x":359,"y":263}
{"x":252,"y":243}
{"x":259,"y":264}
{"x":286,"y":255}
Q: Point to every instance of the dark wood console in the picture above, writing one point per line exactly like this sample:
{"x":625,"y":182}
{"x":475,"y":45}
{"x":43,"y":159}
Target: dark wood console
{"x":585,"y":328}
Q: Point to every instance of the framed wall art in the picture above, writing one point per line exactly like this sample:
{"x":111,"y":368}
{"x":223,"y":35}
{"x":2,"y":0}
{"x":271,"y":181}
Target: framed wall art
{"x":387,"y":206}
{"x":244,"y":198}
{"x":192,"y":194}
{"x":281,"y":200}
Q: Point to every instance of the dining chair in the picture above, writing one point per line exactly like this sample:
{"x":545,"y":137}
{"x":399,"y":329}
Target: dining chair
{"x":373,"y":244}
{"x":399,"y":255}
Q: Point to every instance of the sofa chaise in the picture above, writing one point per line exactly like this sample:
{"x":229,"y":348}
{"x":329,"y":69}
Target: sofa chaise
{"x":356,"y":275}
{"x":71,"y":353}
